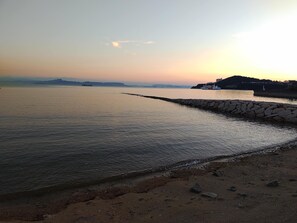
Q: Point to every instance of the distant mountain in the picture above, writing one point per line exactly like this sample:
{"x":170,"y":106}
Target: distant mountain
{"x":246,"y":83}
{"x":19,"y":81}
{"x":59,"y":82}
{"x":77,"y":83}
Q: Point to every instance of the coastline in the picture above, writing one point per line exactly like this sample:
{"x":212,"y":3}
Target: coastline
{"x":156,"y":198}
{"x":277,"y":94}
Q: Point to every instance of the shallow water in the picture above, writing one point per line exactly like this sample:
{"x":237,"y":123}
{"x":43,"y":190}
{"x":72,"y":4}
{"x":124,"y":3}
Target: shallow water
{"x":65,"y":135}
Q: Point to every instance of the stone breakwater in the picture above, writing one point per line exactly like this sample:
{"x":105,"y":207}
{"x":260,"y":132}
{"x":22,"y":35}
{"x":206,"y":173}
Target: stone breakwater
{"x":268,"y":111}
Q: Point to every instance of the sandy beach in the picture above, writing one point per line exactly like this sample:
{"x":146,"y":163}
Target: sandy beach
{"x":256,"y":188}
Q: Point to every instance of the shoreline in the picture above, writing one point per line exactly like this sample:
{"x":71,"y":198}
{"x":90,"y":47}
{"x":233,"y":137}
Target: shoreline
{"x":137,"y":176}
{"x":134,"y":176}
{"x":292,"y":95}
{"x":55,"y":205}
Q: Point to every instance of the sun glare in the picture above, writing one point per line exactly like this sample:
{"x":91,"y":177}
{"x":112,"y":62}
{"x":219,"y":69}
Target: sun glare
{"x":116,"y":44}
{"x":273,"y":45}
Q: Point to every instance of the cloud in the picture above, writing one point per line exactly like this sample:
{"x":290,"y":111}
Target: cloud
{"x":120,"y":43}
{"x":116,"y":44}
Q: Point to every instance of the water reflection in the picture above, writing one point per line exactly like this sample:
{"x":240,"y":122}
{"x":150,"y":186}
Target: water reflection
{"x":54,"y":136}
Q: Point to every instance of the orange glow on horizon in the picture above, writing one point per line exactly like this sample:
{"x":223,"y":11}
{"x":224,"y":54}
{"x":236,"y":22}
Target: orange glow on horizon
{"x":184,"y":44}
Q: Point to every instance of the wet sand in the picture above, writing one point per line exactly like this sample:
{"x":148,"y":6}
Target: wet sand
{"x":240,"y":189}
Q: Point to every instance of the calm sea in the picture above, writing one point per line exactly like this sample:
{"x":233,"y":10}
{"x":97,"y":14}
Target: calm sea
{"x":55,"y":136}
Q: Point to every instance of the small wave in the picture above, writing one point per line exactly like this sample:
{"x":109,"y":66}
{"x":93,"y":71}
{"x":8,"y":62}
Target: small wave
{"x":135,"y":174}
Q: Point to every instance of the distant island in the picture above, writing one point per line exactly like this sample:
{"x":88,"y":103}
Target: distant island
{"x":29,"y":82}
{"x":106,"y":84}
{"x":261,"y":87}
{"x":78,"y":83}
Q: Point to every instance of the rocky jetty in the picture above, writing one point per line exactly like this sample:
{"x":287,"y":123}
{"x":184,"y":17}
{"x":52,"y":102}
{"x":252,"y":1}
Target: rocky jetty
{"x":268,"y":111}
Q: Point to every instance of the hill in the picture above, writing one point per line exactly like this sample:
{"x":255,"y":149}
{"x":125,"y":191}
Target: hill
{"x":246,"y":83}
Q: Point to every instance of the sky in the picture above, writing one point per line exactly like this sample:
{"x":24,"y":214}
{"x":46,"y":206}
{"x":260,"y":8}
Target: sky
{"x":148,"y":41}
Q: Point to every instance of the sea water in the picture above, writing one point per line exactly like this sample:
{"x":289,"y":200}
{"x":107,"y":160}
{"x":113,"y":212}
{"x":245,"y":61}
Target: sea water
{"x":52,"y":136}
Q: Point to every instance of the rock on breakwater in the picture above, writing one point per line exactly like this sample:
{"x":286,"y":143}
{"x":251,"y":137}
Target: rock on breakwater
{"x":268,"y":111}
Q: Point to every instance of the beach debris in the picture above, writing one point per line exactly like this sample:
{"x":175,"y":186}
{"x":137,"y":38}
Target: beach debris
{"x":196,"y":188}
{"x":218,"y":173}
{"x":232,"y":188}
{"x":240,"y":205}
{"x":209,"y":195}
{"x":273,"y":183}
{"x":242,"y":194}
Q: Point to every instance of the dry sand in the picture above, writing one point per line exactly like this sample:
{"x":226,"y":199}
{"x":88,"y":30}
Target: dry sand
{"x":169,"y":199}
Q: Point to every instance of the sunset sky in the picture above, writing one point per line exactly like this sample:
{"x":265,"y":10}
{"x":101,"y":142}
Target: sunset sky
{"x":148,"y":41}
